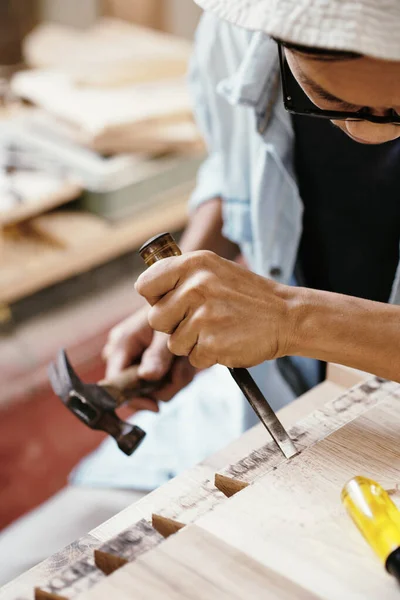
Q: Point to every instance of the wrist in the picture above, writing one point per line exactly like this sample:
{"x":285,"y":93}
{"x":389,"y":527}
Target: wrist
{"x":298,"y":304}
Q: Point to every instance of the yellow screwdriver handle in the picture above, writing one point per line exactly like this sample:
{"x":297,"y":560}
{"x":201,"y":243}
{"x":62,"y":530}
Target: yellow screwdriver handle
{"x":377,"y":518}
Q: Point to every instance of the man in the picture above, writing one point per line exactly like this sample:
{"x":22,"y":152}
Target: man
{"x":312,"y":196}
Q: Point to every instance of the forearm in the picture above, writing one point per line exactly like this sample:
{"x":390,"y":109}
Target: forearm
{"x":347,"y":330}
{"x":204,"y":231}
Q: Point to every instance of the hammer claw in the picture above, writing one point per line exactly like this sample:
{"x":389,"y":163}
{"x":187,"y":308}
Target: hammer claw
{"x":65,"y":377}
{"x":92,"y":404}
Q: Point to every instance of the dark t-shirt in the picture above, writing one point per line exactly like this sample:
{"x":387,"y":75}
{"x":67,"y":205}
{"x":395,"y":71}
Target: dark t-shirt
{"x":351,"y":196}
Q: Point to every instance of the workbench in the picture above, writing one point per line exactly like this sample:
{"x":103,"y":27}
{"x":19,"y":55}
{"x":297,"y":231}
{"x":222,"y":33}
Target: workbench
{"x":247,"y":523}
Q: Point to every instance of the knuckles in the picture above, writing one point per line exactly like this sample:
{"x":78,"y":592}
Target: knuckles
{"x":175,"y":346}
{"x":157,"y":320}
{"x":200,"y":259}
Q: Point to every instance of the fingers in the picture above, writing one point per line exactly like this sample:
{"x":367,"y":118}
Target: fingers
{"x":172,"y":308}
{"x":126,"y":343}
{"x":157,"y":359}
{"x":185,"y":341}
{"x":200,"y":358}
{"x":184,"y":338}
{"x":182,"y":373}
{"x":159,"y":279}
{"x":117,"y":361}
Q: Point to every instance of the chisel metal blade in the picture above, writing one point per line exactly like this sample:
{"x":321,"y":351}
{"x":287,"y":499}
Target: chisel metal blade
{"x":264,"y":412}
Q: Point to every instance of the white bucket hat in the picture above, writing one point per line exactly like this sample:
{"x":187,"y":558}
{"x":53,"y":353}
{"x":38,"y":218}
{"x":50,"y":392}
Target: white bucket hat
{"x":370,"y":27}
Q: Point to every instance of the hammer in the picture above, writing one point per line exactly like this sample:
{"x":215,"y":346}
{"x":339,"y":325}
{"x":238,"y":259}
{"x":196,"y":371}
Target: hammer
{"x":95,"y":404}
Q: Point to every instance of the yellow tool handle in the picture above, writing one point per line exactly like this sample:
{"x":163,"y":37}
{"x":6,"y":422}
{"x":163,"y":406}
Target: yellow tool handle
{"x":377,"y":517}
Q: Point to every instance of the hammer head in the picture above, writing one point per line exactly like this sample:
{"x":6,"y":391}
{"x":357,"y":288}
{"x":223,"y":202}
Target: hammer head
{"x":92,"y":404}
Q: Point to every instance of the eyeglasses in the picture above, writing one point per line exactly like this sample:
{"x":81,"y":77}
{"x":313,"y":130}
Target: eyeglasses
{"x":297,"y":102}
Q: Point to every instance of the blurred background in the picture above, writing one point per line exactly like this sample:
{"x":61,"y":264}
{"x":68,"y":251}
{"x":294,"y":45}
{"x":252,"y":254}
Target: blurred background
{"x":98,"y":152}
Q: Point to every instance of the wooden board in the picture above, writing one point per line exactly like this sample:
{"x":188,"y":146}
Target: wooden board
{"x":23,"y":212}
{"x":310,"y":430}
{"x":119,"y":239}
{"x":197,"y":565}
{"x":191,"y":493}
{"x":183,"y":500}
{"x":149,"y":13}
{"x":81,"y":575}
{"x":296,"y":523}
{"x":291,"y":522}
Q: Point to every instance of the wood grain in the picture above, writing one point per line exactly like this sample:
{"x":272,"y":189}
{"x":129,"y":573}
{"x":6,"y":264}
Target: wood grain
{"x":126,"y":547}
{"x":292,"y":519}
{"x":307,"y":432}
{"x":84,"y":573}
{"x":56,"y":266}
{"x":23,"y":212}
{"x":196,"y":565}
{"x":185,"y":498}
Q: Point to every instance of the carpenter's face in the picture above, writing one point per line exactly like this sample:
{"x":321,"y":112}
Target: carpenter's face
{"x":350,"y":85}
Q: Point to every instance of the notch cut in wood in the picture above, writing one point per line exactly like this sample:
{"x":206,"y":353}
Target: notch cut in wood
{"x":166,"y":526}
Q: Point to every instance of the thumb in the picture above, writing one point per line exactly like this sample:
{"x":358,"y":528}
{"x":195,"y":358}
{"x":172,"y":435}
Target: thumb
{"x":157,"y":359}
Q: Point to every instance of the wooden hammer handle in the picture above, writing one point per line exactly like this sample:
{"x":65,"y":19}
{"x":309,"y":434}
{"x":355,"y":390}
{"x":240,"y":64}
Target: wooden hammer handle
{"x":127,"y":385}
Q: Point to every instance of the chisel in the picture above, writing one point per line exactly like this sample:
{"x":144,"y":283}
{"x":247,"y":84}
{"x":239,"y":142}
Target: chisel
{"x":163,"y":246}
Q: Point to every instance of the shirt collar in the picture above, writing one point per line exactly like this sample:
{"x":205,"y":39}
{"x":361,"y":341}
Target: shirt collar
{"x":254,"y":82}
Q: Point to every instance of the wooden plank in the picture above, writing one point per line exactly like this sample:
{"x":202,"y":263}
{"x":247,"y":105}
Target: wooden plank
{"x":192,"y":492}
{"x":120,"y":239}
{"x":149,"y":13}
{"x":22,"y":587}
{"x":126,"y":547}
{"x":173,"y":516}
{"x":292,"y":519}
{"x":313,"y":428}
{"x":196,"y":565}
{"x":23,"y":212}
{"x":290,"y":414}
{"x":345,"y":376}
{"x":184,"y":499}
{"x":84,"y":573}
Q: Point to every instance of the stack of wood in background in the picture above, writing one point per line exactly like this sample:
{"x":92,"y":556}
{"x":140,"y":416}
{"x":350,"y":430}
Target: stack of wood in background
{"x":110,"y":112}
{"x":116,"y":87}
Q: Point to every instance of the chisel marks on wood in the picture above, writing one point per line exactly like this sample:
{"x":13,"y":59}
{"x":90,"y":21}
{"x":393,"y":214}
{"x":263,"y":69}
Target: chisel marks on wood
{"x":310,"y":430}
{"x":195,"y":503}
{"x":126,"y":547}
{"x":75,"y":579}
{"x":84,"y":574}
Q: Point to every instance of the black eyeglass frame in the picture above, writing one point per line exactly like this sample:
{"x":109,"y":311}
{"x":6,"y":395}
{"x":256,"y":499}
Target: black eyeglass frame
{"x":333,"y":115}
